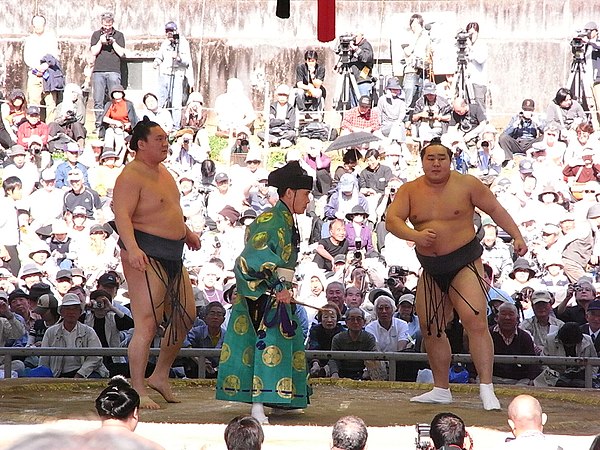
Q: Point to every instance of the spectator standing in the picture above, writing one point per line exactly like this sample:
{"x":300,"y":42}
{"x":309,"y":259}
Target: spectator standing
{"x":173,"y":61}
{"x":477,"y":56}
{"x":9,"y":226}
{"x":416,"y":52}
{"x":108,"y":46}
{"x":39,"y":43}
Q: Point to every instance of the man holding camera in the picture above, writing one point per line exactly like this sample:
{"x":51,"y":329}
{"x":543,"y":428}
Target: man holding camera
{"x":417,"y":55}
{"x":361,"y":64}
{"x":172,"y":61}
{"x":108,"y":46}
{"x":522,"y":131}
{"x":431,"y":113}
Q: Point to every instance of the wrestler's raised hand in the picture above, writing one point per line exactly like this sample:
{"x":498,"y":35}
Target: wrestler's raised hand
{"x":284,"y":296}
{"x":520,"y":246}
{"x":425,"y":237}
{"x":137,"y":259}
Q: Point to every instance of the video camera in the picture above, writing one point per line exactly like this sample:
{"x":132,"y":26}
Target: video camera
{"x":578,"y":46}
{"x":423,"y":440}
{"x":357,"y":255}
{"x":462,"y":38}
{"x":343,"y":48}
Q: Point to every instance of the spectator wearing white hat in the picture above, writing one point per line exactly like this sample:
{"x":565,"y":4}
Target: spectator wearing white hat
{"x":80,"y":195}
{"x":72,"y":153}
{"x":46,"y":204}
{"x":70,"y":333}
{"x":103,"y":177}
{"x":23,"y":168}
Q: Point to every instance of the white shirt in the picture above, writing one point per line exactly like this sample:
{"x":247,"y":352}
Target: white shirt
{"x":387,"y":340}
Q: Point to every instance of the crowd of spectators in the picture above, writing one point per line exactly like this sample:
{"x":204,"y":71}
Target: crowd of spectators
{"x":60,"y":272}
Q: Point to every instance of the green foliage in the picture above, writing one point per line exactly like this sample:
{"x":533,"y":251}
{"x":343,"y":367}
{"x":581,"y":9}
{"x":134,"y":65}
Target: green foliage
{"x":275,"y":157}
{"x":217,"y":144}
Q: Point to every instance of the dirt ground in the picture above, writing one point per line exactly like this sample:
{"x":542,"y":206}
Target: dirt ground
{"x":37,"y":401}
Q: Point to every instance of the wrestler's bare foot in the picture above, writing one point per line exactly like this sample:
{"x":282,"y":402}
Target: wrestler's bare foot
{"x":164,"y":389}
{"x":147,"y":403}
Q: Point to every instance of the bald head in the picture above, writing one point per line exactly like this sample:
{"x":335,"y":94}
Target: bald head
{"x":525,"y":414}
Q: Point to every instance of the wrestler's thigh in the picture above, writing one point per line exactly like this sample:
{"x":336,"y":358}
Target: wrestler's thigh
{"x":146,"y":293}
{"x":429,"y":298}
{"x":468,"y":285}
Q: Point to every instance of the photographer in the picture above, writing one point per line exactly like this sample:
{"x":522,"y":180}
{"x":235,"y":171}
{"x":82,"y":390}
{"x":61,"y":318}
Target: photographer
{"x":108,"y":46}
{"x":69,"y":123}
{"x":431,"y":113}
{"x":468,"y":119}
{"x":447,"y":432}
{"x":173,"y":61}
{"x":108,"y":321}
{"x":584,"y":292}
{"x":361,"y":64}
{"x":522,"y":131}
{"x":592,"y":67}
{"x":477,"y":55}
{"x":417,"y":54}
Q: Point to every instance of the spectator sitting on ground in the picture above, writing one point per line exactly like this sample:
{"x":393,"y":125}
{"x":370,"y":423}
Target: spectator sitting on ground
{"x":22,"y":168}
{"x":345,"y":197}
{"x":194,"y":114}
{"x":118,"y":119}
{"x":104,"y":176}
{"x":522,"y":131}
{"x":234,"y":110}
{"x":14,"y":112}
{"x":581,"y":142}
{"x":565,"y":111}
{"x":32,"y":126}
{"x":108,"y":321}
{"x":321,"y":335}
{"x":47,"y":308}
{"x":349,"y":433}
{"x":78,"y":194}
{"x":350,"y":160}
{"x":361,"y":118}
{"x":207,"y":333}
{"x":543,"y":321}
{"x":330,"y":247}
{"x":72,"y":153}
{"x":244,"y":433}
{"x":570,"y":341}
{"x":70,"y":333}
{"x":509,"y":339}
{"x":259,"y":195}
{"x":592,"y":328}
{"x":69,"y":122}
{"x":406,"y":312}
{"x":10,"y":328}
{"x":392,"y":109}
{"x":355,"y":339}
{"x":319,"y":166}
{"x":431,"y":114}
{"x":156,"y":114}
{"x":359,"y":234}
{"x":282,"y":120}
{"x":447,"y":432}
{"x":522,"y":276}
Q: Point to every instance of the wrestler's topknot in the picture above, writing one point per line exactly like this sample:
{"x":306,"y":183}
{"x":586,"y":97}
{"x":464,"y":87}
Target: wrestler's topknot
{"x":141,"y":132}
{"x":437,"y":142}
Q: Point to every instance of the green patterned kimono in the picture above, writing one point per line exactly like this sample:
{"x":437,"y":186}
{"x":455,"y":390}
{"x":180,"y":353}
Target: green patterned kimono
{"x":263,"y":364}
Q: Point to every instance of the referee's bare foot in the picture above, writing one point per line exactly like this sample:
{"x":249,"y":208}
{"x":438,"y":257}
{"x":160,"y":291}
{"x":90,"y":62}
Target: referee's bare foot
{"x":164,"y":389}
{"x":147,"y":403}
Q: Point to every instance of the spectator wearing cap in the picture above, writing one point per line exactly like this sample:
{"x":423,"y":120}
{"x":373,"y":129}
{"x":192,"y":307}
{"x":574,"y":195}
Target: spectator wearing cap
{"x":229,"y":239}
{"x":361,"y":118}
{"x":359,"y":234}
{"x":282,"y":119}
{"x":47,"y":309}
{"x":431,"y":114}
{"x":522,"y":276}
{"x":8,"y":281}
{"x":79,"y":194}
{"x":118,"y":119}
{"x":30,"y":274}
{"x":108,"y":46}
{"x":70,"y":333}
{"x":191,"y":201}
{"x":391,"y":333}
{"x":509,"y":339}
{"x":18,"y":300}
{"x":259,"y":195}
{"x":63,"y":282}
{"x":522,"y":131}
{"x":496,"y":297}
{"x":592,"y":327}
{"x":495,"y":252}
{"x":103,"y":176}
{"x":569,"y":340}
{"x":110,"y":282}
{"x":40,"y":254}
{"x":577,"y":244}
{"x":346,"y":196}
{"x":546,"y":170}
{"x":554,"y":278}
{"x":392,"y":109}
{"x":10,"y":329}
{"x":582,"y":169}
{"x":221,"y":197}
{"x":490,"y":156}
{"x":108,"y":322}
{"x":22,"y":167}
{"x":543,"y":321}
{"x":72,"y":153}
{"x":174,"y":64}
{"x":584,"y":292}
{"x":46,"y":203}
{"x":32,"y":126}
{"x":406,"y":312}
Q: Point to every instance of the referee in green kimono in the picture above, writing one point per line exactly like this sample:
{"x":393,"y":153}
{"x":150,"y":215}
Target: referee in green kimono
{"x":262,"y":358}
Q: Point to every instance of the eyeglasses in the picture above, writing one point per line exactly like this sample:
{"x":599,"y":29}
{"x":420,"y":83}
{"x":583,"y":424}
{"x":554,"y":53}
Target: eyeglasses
{"x":254,"y":161}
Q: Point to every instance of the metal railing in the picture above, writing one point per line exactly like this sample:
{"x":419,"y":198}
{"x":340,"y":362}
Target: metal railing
{"x":198,"y":354}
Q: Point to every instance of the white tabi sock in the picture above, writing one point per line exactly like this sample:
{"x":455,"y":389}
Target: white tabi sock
{"x":436,"y":395}
{"x":489,"y":399}
{"x":258,"y":412}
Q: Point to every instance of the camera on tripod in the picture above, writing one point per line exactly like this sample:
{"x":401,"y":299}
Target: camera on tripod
{"x":578,"y":46}
{"x":462,"y":38}
{"x":343,"y":49}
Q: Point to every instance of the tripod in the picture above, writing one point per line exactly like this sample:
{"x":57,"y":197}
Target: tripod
{"x":462,"y":87}
{"x":576,"y":83}
{"x":174,"y":63}
{"x":349,"y":93}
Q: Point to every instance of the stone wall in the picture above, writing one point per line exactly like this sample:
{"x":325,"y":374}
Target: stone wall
{"x":528,"y":40}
